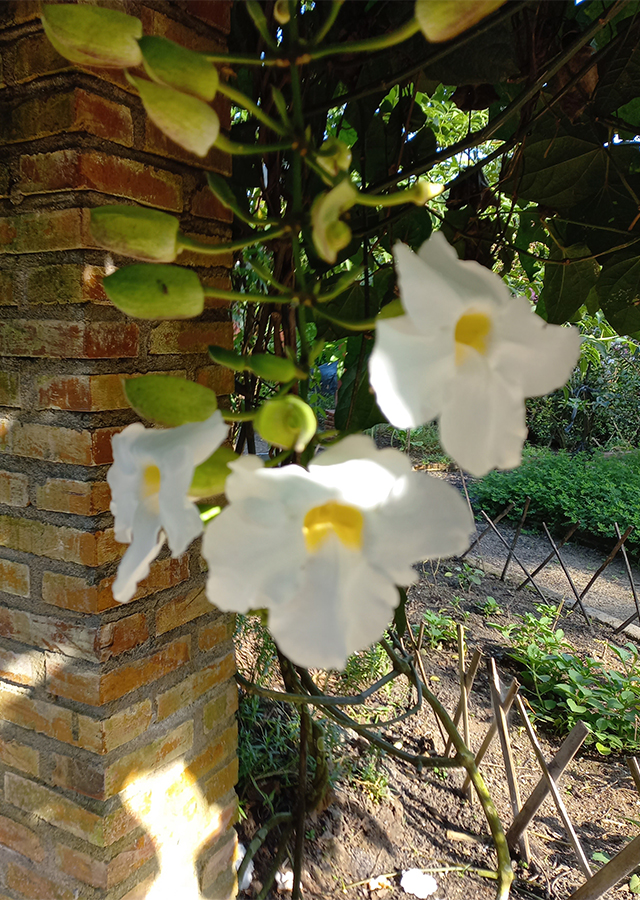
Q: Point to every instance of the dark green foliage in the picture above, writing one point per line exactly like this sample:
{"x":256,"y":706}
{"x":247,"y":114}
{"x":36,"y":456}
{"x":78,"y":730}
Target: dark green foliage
{"x":594,"y":490}
{"x":564,"y":688}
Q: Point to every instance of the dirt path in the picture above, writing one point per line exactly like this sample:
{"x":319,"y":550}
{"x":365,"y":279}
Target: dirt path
{"x":609,"y":599}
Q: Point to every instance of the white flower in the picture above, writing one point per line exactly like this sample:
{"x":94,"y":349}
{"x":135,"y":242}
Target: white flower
{"x":418,"y":883}
{"x":468,"y":353}
{"x":149,"y":479}
{"x":323,"y":549}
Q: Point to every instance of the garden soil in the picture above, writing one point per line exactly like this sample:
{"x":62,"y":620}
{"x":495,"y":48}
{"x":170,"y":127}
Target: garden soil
{"x":404,"y":820}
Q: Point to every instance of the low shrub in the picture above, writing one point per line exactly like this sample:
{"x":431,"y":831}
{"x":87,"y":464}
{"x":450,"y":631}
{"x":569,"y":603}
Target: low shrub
{"x":595,"y":490}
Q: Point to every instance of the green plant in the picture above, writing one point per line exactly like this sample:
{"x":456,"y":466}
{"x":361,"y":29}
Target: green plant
{"x":490,"y":607}
{"x":438,"y":629}
{"x":595,"y":490}
{"x":565,"y":688}
{"x":370,"y":776}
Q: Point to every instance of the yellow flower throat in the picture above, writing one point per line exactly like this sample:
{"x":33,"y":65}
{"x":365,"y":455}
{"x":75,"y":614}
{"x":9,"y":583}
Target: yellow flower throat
{"x":472,"y":330}
{"x":150,"y":481}
{"x":346,"y":522}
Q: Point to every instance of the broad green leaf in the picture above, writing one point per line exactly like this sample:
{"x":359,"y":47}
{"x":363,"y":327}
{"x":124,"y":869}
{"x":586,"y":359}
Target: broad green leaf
{"x":619,"y":71}
{"x":188,"y":121}
{"x":153,"y":291}
{"x":618,"y":288}
{"x":185,"y":70}
{"x":93,"y":35}
{"x":634,"y":884}
{"x":442,"y":20}
{"x":357,"y":408}
{"x":530,"y":230}
{"x":287,"y":422}
{"x":170,"y":401}
{"x":558,"y":171}
{"x":227,"y":358}
{"x":486,"y":59}
{"x":566,"y":287}
{"x":146,"y":234}
{"x":210,"y":476}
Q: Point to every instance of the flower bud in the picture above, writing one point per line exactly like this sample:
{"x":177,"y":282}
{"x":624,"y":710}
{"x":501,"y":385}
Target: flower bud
{"x":442,"y":20}
{"x":188,"y":121}
{"x":153,"y":291}
{"x":185,"y":70}
{"x":423,"y":191}
{"x":334,"y":156}
{"x":137,"y":231}
{"x":93,"y":35}
{"x":281,"y":12}
{"x":286,"y":422}
{"x":272,"y":368}
{"x":329,"y":234}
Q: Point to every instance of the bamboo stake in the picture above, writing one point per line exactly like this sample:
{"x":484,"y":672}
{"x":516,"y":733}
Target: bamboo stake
{"x":622,"y":863}
{"x":516,"y":537}
{"x":469,"y":679}
{"x":522,"y":566}
{"x":548,"y":558}
{"x":568,"y":749}
{"x":464,"y":704}
{"x":569,"y":578}
{"x":631,"y":582}
{"x":493,"y":729}
{"x":608,"y":560}
{"x":562,"y":810}
{"x":503,"y":732}
{"x":499,"y":518}
{"x":634,"y":768}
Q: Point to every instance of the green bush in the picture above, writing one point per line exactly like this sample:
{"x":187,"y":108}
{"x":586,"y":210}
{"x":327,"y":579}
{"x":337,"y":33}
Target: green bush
{"x":595,"y":490}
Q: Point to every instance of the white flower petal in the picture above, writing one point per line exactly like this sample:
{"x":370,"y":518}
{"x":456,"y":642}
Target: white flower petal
{"x":482,"y":424}
{"x":179,"y":515}
{"x":409,"y":371}
{"x":418,"y":883}
{"x":425,"y":518}
{"x":145,"y":546}
{"x":123,"y":479}
{"x":343,"y":605}
{"x":540,"y":356}
{"x":428,"y":295}
{"x":467,"y":277}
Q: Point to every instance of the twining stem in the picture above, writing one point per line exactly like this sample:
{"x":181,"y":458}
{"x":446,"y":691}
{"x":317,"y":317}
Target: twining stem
{"x":369,"y":45}
{"x":256,"y":111}
{"x":235,"y":297}
{"x":188,"y":243}
{"x":363,"y":325}
{"x":336,"y":6}
{"x":235,"y":149}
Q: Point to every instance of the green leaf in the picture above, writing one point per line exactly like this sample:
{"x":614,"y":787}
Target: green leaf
{"x":170,"y":401}
{"x":619,"y":74}
{"x":357,"y":408}
{"x":188,"y":121}
{"x":146,"y":234}
{"x":272,"y":368}
{"x":185,"y":70}
{"x":154,"y":291}
{"x":618,"y":290}
{"x":210,"y":476}
{"x":222,"y":190}
{"x":93,"y":35}
{"x":566,"y":287}
{"x":530,"y":230}
{"x":575,"y":707}
{"x":634,"y":884}
{"x":605,"y":751}
{"x":228,"y":358}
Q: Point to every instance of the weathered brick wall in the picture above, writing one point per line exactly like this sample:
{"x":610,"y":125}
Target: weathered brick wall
{"x":96,"y":699}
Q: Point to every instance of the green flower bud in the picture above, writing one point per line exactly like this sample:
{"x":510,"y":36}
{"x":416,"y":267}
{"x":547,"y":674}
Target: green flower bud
{"x":93,"y":35}
{"x":334,"y":156}
{"x":272,"y":368}
{"x":136,"y":231}
{"x":329,"y":234}
{"x":188,"y":121}
{"x":227,"y":358}
{"x":281,"y":12}
{"x":423,"y":191}
{"x":210,"y":476}
{"x":442,"y":20}
{"x":287,"y":422}
{"x":174,"y":66}
{"x":153,"y":291}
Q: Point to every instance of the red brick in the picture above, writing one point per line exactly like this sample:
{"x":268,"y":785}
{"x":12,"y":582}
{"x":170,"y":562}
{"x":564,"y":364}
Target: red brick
{"x":54,"y":444}
{"x":218,"y":378}
{"x":189,"y":337}
{"x":87,"y":393}
{"x":221,"y":783}
{"x":206,"y":205}
{"x":220,"y":864}
{"x":80,"y":595}
{"x":82,"y":498}
{"x":222,"y":259}
{"x":59,"y":542}
{"x":14,"y":578}
{"x":65,"y":170}
{"x":75,"y":111}
{"x":215,"y":633}
{"x":66,"y":283}
{"x":156,"y":142}
{"x":17,"y":706}
{"x":100,"y":874}
{"x":104,"y":735}
{"x":148,"y":758}
{"x":14,"y":488}
{"x":220,"y":708}
{"x":6,"y":290}
{"x":10,"y":389}
{"x":182,"y":610}
{"x":43,"y":803}
{"x":21,"y":839}
{"x":54,"y":339}
{"x":192,"y":688}
{"x":217,"y":14}
{"x":95,"y":687}
{"x":34,"y":887}
{"x":20,"y":668}
{"x":46,"y":230}
{"x":20,"y":756}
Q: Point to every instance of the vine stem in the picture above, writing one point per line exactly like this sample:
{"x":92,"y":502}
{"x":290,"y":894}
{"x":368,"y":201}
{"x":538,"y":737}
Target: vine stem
{"x":233,"y":296}
{"x":365,"y":46}
{"x":188,"y":243}
{"x":234,"y":149}
{"x":245,"y":102}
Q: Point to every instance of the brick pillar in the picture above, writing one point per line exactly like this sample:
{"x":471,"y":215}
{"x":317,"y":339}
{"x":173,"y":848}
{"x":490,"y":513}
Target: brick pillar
{"x":117,"y":732}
